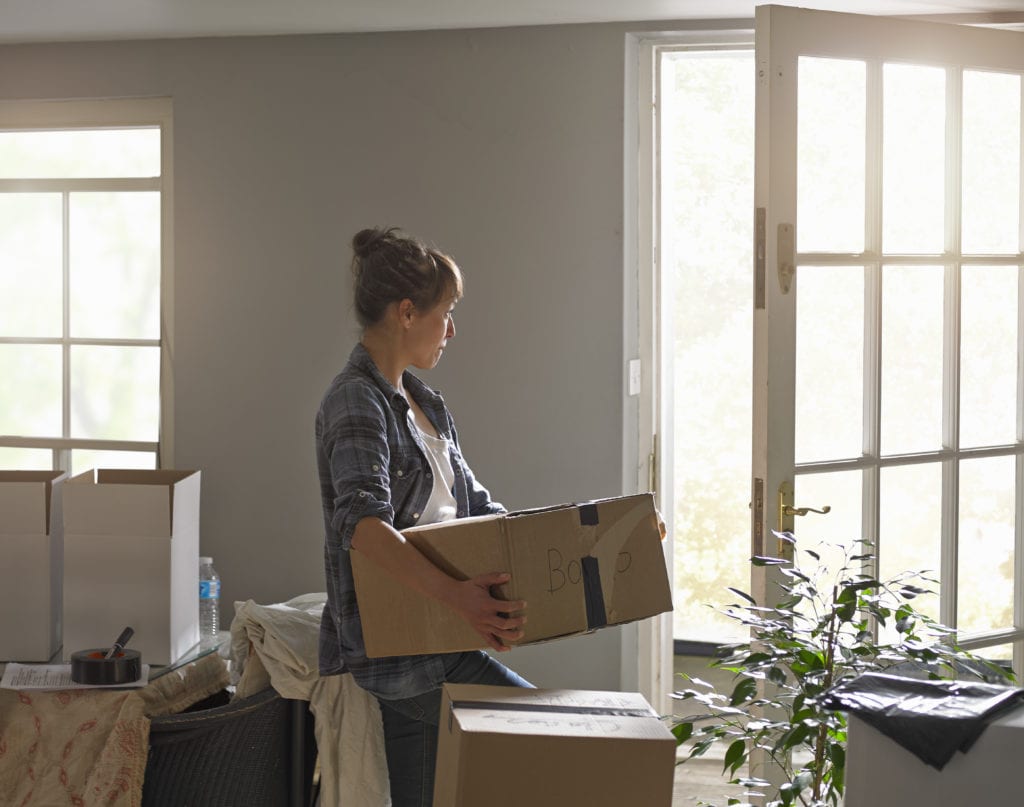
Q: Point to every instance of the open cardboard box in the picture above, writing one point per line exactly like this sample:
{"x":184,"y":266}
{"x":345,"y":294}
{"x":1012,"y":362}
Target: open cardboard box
{"x":131,"y":550}
{"x":578,"y":567}
{"x":31,"y":545}
{"x":509,"y":747}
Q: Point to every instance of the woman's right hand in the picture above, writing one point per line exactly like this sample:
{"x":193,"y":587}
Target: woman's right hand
{"x":489,"y":616}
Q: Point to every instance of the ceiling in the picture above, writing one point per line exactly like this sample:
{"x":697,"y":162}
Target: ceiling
{"x":79,"y":20}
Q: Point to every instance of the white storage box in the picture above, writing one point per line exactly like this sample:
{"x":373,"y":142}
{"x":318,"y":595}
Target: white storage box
{"x":31,"y":545}
{"x":131,"y":557}
{"x":882,"y":773}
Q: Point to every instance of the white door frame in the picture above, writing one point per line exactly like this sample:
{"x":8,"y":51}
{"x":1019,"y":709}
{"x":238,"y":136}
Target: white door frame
{"x":647,"y":646}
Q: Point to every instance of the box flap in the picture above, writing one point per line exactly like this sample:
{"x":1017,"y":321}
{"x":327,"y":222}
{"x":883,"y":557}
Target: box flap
{"x":127,"y":502}
{"x":631,"y":563}
{"x":25,"y":501}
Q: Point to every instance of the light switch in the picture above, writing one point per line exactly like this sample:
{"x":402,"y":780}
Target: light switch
{"x":634,"y":376}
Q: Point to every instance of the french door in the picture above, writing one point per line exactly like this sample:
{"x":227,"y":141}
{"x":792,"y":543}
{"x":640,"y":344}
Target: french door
{"x":889,"y":303}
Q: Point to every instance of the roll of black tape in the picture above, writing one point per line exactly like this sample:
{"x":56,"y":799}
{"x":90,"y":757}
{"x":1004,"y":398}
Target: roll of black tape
{"x":94,"y":668}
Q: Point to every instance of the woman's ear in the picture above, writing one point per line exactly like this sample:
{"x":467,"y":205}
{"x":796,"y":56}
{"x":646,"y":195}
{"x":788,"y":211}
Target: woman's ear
{"x":406,"y":309}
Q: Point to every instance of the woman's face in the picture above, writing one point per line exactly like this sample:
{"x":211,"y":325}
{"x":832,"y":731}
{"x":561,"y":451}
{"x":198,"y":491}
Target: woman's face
{"x":429,"y":333}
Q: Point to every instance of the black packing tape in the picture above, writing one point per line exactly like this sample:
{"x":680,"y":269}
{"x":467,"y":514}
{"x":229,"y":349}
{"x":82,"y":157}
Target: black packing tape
{"x":588,"y":515}
{"x":94,"y":668}
{"x":596,"y":617}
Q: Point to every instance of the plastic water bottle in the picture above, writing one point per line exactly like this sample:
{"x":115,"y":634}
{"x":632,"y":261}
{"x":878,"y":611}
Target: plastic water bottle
{"x":209,"y":600}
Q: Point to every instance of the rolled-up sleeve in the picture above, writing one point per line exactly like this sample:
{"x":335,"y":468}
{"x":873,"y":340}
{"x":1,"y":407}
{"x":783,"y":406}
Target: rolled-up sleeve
{"x":354,"y":447}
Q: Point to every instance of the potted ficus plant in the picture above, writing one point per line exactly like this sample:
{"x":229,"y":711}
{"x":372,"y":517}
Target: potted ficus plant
{"x":820,"y":631}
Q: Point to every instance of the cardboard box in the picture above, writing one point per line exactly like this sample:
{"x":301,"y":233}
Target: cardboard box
{"x":578,"y":567}
{"x":509,"y":747}
{"x":882,"y":773}
{"x":31,"y":545}
{"x":131,"y":557}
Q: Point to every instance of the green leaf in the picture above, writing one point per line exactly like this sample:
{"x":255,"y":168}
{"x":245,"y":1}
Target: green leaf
{"x":803,"y":781}
{"x":742,"y":594}
{"x":735,"y":756}
{"x":761,"y":560}
{"x":682,"y":732}
{"x":744,"y":691}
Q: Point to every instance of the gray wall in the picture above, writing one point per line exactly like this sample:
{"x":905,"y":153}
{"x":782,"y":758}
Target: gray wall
{"x":504,"y":147}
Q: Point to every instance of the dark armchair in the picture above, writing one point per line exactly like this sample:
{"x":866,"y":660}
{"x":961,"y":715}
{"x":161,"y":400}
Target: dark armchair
{"x":255,"y":752}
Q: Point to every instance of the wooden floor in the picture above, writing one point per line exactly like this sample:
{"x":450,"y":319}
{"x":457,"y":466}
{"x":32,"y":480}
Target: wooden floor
{"x":701,"y":779}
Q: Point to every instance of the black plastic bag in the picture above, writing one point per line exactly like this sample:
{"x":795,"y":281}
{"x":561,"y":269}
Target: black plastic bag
{"x":931,"y":719}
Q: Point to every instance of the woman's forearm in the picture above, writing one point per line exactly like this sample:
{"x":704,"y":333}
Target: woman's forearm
{"x":387,"y":548}
{"x":497,"y":621}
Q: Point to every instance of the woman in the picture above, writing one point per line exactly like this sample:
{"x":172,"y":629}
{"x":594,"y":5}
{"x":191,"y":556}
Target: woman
{"x":388,"y":458}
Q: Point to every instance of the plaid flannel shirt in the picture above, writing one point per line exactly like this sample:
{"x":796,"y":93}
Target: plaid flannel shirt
{"x":371,"y":462}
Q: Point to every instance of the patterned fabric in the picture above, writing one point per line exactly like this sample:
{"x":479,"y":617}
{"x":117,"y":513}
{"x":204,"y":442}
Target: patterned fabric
{"x":371,"y":462}
{"x":88,"y":747}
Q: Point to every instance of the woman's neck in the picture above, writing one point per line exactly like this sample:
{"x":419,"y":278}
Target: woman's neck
{"x":387,"y":358}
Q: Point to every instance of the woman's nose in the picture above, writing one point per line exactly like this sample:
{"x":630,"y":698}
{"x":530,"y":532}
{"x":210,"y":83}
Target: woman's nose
{"x":451,"y":328}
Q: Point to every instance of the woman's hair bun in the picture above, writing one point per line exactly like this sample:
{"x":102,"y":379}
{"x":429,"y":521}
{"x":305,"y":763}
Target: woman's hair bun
{"x":367,"y":241}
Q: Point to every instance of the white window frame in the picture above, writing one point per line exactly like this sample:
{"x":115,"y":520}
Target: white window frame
{"x":647,"y":647}
{"x":116,"y":113}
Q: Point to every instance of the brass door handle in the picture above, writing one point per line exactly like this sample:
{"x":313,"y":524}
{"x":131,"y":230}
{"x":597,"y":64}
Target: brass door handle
{"x":789,"y":510}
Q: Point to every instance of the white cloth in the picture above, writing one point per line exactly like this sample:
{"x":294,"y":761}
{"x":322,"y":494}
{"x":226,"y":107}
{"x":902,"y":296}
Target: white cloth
{"x":349,"y":734}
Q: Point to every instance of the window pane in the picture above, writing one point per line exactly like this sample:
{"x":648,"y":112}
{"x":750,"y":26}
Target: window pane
{"x":30,"y":264}
{"x":707,"y":186}
{"x":985,"y":551}
{"x":911,"y":359}
{"x":829,"y":363}
{"x":1000,"y":655}
{"x":832,"y":534}
{"x":910,"y":531}
{"x":991,"y":162}
{"x":26,"y":459}
{"x":88,"y":153}
{"x":30,"y":390}
{"x":115,"y":392}
{"x":83,"y":459}
{"x":988,"y":355}
{"x":115,"y":265}
{"x":830,"y":155}
{"x":913,"y":158}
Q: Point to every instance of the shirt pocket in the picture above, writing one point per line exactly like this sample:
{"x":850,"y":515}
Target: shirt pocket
{"x":408,"y":474}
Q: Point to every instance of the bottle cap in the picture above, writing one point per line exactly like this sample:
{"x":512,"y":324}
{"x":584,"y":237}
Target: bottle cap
{"x":206,"y":560}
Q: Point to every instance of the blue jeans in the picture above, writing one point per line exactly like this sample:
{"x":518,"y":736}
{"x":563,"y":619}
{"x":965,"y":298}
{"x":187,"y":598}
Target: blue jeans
{"x":410,"y":726}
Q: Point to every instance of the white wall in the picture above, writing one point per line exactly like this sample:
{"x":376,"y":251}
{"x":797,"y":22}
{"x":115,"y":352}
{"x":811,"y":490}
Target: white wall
{"x":504,"y":147}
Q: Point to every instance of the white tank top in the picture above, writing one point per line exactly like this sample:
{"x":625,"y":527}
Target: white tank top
{"x":441,"y":505}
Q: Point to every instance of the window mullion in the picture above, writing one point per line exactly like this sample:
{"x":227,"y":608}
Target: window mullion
{"x":871,"y":478}
{"x":64,"y":455}
{"x":1018,"y":543}
{"x":949,"y":590}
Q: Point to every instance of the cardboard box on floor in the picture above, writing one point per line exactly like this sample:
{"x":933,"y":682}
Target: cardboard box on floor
{"x":508,"y":747}
{"x":578,"y":567}
{"x":31,"y":545}
{"x":131,"y":557}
